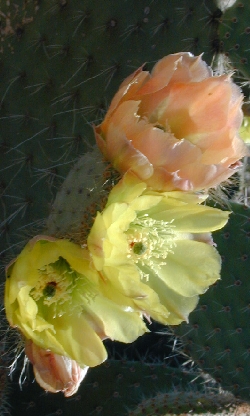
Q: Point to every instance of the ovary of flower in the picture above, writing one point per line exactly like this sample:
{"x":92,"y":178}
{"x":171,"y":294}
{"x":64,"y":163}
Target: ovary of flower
{"x":176,"y":127}
{"x":155,"y":249}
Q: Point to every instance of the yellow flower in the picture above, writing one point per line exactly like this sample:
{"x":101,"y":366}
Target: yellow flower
{"x":53,"y":297}
{"x":155,"y":249}
{"x":177,"y":127}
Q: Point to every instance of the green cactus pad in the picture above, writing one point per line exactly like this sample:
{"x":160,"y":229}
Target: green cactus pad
{"x":234,"y":33}
{"x":111,"y":389}
{"x":180,"y":402}
{"x":217,"y":336}
{"x":83,"y":193}
{"x":61,"y":63}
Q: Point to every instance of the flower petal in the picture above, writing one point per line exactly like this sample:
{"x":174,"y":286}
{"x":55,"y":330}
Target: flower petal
{"x":195,"y":219}
{"x":191,"y":268}
{"x":118,"y":323}
{"x":179,"y":306}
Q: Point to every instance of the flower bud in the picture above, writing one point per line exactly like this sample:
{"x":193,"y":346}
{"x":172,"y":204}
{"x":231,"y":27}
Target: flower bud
{"x":55,"y":372}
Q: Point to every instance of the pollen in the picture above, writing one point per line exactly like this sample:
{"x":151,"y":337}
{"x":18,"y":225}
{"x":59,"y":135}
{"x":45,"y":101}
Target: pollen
{"x":149,"y":242}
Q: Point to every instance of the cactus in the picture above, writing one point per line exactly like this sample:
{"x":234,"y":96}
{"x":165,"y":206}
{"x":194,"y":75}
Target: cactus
{"x":83,"y":193}
{"x":234,"y":32}
{"x":157,"y":380}
{"x":61,"y":62}
{"x":186,"y":401}
{"x":8,"y":354}
{"x":4,"y":389}
{"x":217,"y":335}
{"x":119,"y":388}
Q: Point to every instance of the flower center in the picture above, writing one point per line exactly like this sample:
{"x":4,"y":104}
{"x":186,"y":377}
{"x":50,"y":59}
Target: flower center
{"x":139,"y":248}
{"x":55,"y":284}
{"x":149,"y":242}
{"x":50,"y":290}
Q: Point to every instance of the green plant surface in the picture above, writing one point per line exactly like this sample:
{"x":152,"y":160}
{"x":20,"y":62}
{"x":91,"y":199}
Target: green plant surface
{"x":179,"y":402}
{"x":126,"y":388}
{"x":61,"y":63}
{"x":217,"y":335}
{"x":234,"y":34}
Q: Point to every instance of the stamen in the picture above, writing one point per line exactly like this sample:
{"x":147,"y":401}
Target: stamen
{"x":149,"y":241}
{"x":55,"y":285}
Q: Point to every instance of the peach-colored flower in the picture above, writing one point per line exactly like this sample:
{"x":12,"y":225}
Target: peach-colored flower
{"x":176,"y":128}
{"x":55,"y":372}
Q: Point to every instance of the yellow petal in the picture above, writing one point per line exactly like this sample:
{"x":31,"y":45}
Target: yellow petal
{"x":193,"y":219}
{"x":127,"y":190}
{"x":130,"y":290}
{"x":121,"y":324}
{"x":80,"y":341}
{"x":179,"y":306}
{"x":191,"y":268}
{"x":27,"y":306}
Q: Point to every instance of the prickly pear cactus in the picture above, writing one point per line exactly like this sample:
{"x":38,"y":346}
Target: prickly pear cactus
{"x":60,"y":64}
{"x":217,"y":336}
{"x":234,"y":34}
{"x":5,"y":405}
{"x":84,"y":192}
{"x":198,"y":402}
{"x":61,"y":61}
{"x":119,"y":388}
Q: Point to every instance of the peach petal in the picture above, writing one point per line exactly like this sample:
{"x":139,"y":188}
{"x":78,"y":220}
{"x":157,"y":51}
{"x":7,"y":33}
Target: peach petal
{"x":190,"y":68}
{"x":161,"y":78}
{"x":127,"y":91}
{"x":165,"y":72}
{"x":125,"y":157}
{"x":163,"y":180}
{"x":188,"y":105}
{"x":166,"y":149}
{"x":127,"y":119}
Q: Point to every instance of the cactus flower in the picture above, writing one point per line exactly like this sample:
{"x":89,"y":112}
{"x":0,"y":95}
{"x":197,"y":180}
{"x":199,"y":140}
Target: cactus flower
{"x":176,"y":128}
{"x":53,"y":297}
{"x":155,"y":249}
{"x":55,"y":372}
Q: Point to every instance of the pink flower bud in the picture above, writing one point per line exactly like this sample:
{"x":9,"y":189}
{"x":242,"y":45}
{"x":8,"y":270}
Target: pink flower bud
{"x":55,"y":372}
